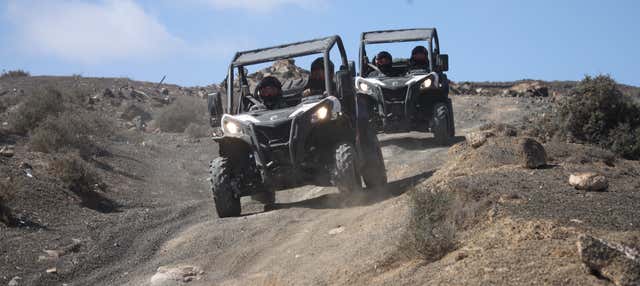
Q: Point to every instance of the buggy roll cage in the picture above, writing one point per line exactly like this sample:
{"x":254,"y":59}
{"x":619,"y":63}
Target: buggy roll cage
{"x":395,"y":36}
{"x":297,"y":49}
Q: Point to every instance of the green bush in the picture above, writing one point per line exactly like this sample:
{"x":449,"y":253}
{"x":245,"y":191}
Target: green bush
{"x":596,"y":113}
{"x":184,"y":111}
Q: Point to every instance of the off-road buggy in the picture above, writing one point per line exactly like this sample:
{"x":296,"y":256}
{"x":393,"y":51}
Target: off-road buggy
{"x":409,"y":99}
{"x":316,"y":139}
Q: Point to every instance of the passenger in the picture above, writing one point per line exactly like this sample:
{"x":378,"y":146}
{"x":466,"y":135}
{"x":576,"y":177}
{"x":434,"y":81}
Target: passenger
{"x":419,"y":58}
{"x":316,"y":83}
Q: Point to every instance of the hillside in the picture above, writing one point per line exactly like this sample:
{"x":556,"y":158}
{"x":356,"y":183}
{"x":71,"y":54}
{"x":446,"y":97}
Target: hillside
{"x":133,"y":207}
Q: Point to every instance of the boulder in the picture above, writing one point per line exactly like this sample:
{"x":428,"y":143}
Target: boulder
{"x":7,"y":151}
{"x":532,"y":153}
{"x":529,"y":89}
{"x":169,"y":275}
{"x":616,"y":262}
{"x":589,"y":181}
{"x":15,"y":281}
{"x":477,"y":139}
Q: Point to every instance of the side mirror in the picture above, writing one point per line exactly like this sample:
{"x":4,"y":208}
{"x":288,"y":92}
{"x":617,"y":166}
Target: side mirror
{"x":214,"y":105}
{"x":442,"y":63}
{"x":352,"y":68}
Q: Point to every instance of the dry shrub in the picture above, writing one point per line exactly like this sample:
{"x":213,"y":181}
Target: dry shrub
{"x":196,"y":131}
{"x":182,"y":112}
{"x":35,"y":108}
{"x":78,"y":130}
{"x":6,"y":190}
{"x":597,"y":113}
{"x":432,"y":227}
{"x":81,"y":178}
{"x":14,"y":74}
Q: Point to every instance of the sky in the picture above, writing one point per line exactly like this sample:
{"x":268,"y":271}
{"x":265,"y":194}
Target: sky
{"x":193,"y":41}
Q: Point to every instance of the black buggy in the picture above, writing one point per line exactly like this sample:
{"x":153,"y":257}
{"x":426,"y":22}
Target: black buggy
{"x":315,"y":139}
{"x":409,"y":99}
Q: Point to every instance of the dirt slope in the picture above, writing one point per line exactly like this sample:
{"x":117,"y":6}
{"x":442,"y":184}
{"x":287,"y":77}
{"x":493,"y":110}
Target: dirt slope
{"x":315,"y":236}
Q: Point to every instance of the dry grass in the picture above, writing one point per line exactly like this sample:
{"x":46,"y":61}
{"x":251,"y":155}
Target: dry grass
{"x":182,"y":112}
{"x":432,"y":227}
{"x":35,"y":108}
{"x":197,"y":131}
{"x":79,"y":131}
{"x":6,"y":190}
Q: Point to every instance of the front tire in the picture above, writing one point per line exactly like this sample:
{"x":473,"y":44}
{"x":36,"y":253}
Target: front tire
{"x":223,"y":186}
{"x":345,"y":176}
{"x":441,"y":124}
{"x":373,"y":171}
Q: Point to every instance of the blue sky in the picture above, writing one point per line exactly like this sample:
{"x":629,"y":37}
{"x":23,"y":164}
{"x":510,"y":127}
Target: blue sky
{"x":192,"y":41}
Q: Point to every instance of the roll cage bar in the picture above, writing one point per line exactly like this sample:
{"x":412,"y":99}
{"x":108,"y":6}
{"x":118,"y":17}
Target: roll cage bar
{"x":270,"y":54}
{"x":395,"y":36}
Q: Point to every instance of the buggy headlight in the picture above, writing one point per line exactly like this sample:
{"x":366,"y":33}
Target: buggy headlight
{"x":427,"y":83}
{"x":320,"y":114}
{"x":231,"y":128}
{"x":363,"y":87}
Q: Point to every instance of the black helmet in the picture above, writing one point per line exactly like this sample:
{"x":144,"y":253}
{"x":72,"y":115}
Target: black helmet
{"x":319,"y":64}
{"x":269,"y":101}
{"x":384,"y":54}
{"x":419,"y":49}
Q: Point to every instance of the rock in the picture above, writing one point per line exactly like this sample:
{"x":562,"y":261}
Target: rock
{"x":52,"y":270}
{"x":181,"y":273}
{"x":529,"y":89}
{"x":532,"y":153}
{"x":336,"y":230}
{"x":15,"y":281}
{"x":7,"y":151}
{"x":108,"y":93}
{"x":164,"y":91}
{"x":589,"y":181}
{"x":477,"y":139}
{"x":616,"y":262}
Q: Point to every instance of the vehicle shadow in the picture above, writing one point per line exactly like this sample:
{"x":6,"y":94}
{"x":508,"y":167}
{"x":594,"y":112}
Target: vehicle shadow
{"x":413,"y":143}
{"x":363,"y":198}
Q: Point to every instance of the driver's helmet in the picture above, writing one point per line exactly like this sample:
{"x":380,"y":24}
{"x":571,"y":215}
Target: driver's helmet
{"x":419,"y":57}
{"x":384,"y":61}
{"x":316,"y":78}
{"x":269,"y":91}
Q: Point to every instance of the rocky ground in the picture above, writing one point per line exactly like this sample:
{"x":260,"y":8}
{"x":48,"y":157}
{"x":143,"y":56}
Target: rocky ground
{"x":513,"y":223}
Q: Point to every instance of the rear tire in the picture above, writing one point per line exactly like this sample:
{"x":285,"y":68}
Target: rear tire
{"x":373,"y":171}
{"x":441,"y":124}
{"x":223,"y":186}
{"x":345,"y":176}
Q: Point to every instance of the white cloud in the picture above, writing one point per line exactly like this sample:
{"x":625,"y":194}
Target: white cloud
{"x":90,"y":33}
{"x":264,"y":5}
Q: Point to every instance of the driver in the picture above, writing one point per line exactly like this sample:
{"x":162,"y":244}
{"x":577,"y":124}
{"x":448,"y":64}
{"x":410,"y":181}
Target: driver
{"x":419,"y":58}
{"x":384,"y":62}
{"x":316,"y":85}
{"x":269,"y":91}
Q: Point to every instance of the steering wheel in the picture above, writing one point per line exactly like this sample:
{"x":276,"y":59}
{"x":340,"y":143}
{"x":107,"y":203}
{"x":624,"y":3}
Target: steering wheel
{"x":257,"y":107}
{"x":374,"y":67}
